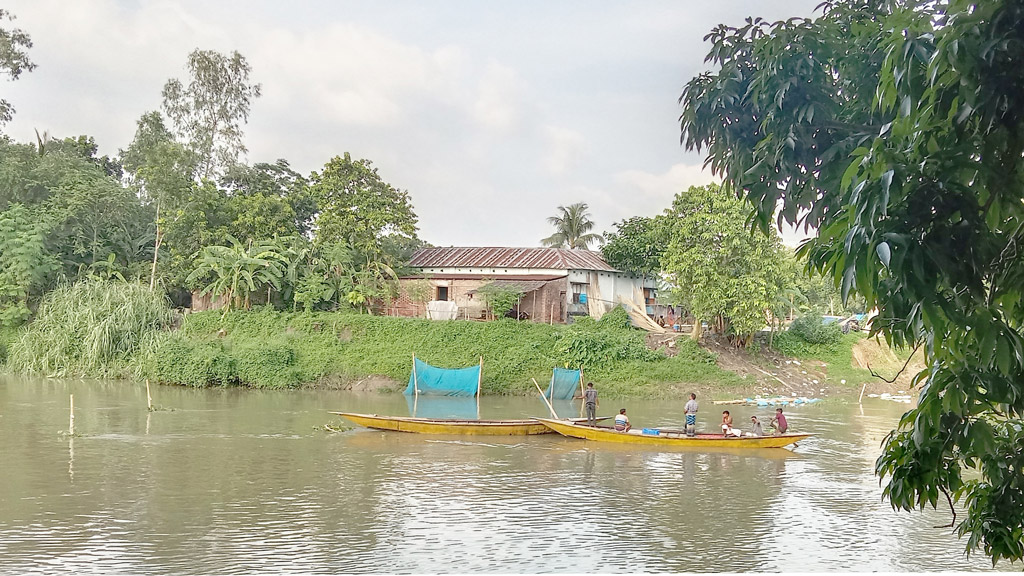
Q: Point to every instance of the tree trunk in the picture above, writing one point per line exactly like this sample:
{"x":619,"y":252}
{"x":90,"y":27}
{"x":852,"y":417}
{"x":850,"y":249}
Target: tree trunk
{"x":697,"y":331}
{"x":156,"y":248}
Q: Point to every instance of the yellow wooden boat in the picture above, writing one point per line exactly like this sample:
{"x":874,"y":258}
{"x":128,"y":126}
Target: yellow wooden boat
{"x":668,"y":438}
{"x":524,"y":427}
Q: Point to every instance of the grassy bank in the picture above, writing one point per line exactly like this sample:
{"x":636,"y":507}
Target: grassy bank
{"x":112,"y":330}
{"x":272,"y":349}
{"x":7,"y":336}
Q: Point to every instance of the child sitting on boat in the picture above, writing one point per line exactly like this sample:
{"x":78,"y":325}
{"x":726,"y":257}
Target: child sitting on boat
{"x":727,"y":429}
{"x":778,"y":423}
{"x":622,"y":421}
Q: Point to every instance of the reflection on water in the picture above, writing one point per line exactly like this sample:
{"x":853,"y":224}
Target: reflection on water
{"x":237,"y":481}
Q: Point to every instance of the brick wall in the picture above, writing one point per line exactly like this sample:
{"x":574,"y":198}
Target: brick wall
{"x":546,"y":304}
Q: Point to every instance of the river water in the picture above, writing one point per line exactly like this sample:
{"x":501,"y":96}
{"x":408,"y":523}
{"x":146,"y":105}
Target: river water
{"x":240,"y":481}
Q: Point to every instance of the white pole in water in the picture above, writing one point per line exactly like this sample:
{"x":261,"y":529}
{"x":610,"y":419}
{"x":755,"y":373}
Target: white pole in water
{"x":861,"y":399}
{"x":415,"y":383}
{"x":479,"y":385}
{"x":545,"y":398}
{"x":149,"y":397}
{"x":71,"y":422}
{"x":415,"y":387}
{"x":582,"y":392}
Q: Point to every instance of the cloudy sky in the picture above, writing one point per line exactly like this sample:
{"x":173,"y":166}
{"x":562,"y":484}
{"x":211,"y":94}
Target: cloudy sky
{"x":490,"y":114}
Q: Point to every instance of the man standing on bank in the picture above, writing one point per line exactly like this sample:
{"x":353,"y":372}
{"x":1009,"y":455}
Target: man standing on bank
{"x":590,"y":402}
{"x":691,"y":415}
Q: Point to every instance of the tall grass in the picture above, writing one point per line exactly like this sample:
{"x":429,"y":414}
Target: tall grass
{"x":90,"y":328}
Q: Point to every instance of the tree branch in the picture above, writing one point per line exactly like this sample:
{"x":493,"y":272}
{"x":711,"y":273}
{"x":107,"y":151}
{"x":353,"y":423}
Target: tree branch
{"x":905,"y":364}
{"x":952,"y":510}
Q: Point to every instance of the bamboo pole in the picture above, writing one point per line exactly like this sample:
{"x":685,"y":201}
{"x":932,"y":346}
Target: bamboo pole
{"x":415,"y":381}
{"x":479,"y":385}
{"x":149,"y":397}
{"x":545,"y":398}
{"x":861,"y":399}
{"x":71,"y":420}
{"x":583,"y":402}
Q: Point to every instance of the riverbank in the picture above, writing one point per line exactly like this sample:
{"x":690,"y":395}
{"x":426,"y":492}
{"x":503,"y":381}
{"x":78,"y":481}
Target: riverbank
{"x":270,"y":349}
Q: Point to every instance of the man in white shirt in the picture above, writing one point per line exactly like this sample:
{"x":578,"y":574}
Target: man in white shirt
{"x":622,"y":421}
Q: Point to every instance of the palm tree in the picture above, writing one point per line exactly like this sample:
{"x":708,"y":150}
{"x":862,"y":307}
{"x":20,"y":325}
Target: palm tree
{"x":572,"y":228}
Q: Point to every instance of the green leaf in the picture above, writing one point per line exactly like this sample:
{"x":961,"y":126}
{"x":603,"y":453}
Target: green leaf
{"x":883,"y":253}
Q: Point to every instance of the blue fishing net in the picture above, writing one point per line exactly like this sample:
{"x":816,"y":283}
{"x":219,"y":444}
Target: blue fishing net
{"x":564,"y":384}
{"x":433,"y":381}
{"x":443,"y":407}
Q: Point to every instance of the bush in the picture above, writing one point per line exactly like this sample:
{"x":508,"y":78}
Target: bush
{"x":591,"y":343}
{"x":811,"y":329}
{"x":258,"y":364}
{"x":91,"y":328}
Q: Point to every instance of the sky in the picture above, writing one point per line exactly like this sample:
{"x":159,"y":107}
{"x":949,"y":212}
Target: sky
{"x":490,"y":114}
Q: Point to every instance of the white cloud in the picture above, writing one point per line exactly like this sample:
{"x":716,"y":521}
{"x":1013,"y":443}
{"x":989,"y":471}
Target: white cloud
{"x":564,"y":149}
{"x":499,"y":97}
{"x":651,"y":193}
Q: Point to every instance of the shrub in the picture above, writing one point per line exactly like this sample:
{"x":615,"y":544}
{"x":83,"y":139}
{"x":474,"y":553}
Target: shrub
{"x":811,"y":329}
{"x":591,"y":343}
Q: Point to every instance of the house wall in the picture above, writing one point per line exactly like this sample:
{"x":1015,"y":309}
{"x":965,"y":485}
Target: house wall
{"x":546,"y":304}
{"x":550,"y":303}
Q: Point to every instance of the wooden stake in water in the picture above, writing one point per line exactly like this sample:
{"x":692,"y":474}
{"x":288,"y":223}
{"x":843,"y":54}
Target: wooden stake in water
{"x":71,"y":422}
{"x":149,"y":397}
{"x":861,"y":399}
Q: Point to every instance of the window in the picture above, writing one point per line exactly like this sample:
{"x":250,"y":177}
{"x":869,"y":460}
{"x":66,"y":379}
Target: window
{"x":442,"y":292}
{"x":579,"y":293}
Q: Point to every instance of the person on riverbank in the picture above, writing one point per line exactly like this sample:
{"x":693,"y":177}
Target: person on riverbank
{"x":778,"y":422}
{"x":691,"y":415}
{"x":590,"y":403}
{"x":622,"y":421}
{"x":726,"y":422}
{"x":755,"y":427}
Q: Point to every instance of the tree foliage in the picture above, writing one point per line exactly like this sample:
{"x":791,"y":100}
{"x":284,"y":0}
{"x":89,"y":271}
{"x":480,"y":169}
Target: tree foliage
{"x":209,"y":111}
{"x":724,"y":275}
{"x":637,"y":245}
{"x":572,"y":228}
{"x":895,"y":130}
{"x":14,"y":60}
{"x":355,"y":205}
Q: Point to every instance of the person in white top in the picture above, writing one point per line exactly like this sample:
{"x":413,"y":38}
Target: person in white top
{"x":622,"y":421}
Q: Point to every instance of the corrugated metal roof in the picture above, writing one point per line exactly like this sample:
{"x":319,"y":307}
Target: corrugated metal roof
{"x":524,"y":286}
{"x":547,"y":258}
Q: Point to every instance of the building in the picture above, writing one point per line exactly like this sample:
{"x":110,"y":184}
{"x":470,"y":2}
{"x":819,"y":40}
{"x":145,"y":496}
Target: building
{"x":555,"y":284}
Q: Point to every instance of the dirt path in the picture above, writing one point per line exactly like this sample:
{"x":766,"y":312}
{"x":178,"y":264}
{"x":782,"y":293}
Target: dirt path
{"x":771,"y":374}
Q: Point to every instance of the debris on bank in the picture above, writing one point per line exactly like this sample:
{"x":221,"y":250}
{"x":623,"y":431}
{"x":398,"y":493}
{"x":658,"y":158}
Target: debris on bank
{"x":901,"y":397}
{"x":776,"y":401}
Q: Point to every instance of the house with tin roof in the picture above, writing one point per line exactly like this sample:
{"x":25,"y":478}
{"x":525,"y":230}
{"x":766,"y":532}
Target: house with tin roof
{"x":554,"y":284}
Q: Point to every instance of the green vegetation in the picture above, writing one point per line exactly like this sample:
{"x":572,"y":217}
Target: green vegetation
{"x":92,"y":328}
{"x":894,"y":130}
{"x":8,"y":335}
{"x":265,"y":348}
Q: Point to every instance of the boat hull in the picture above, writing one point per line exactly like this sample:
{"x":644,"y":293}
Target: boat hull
{"x":525,"y":427}
{"x":574,"y":430}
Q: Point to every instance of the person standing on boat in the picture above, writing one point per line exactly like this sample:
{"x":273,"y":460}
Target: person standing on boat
{"x":691,"y":415}
{"x":590,"y":402}
{"x":622,"y":421}
{"x":778,"y":422}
